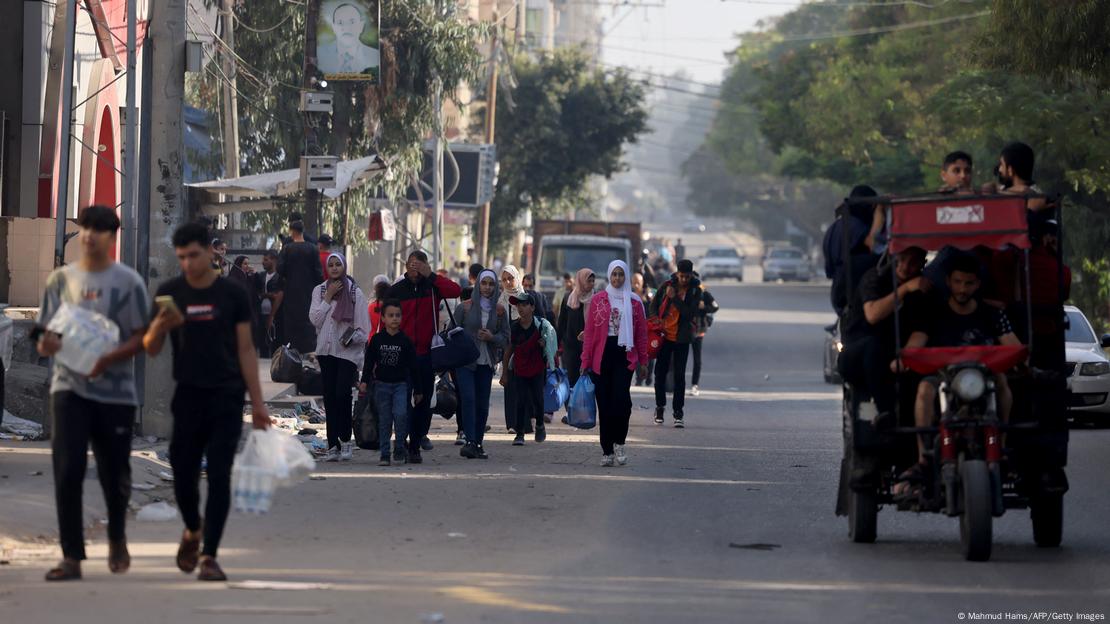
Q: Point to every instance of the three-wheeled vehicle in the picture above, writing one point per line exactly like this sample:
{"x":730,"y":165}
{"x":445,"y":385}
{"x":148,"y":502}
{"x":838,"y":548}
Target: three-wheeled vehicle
{"x":972,"y":476}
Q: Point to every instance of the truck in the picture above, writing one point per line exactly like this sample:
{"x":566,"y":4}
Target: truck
{"x":560,"y":247}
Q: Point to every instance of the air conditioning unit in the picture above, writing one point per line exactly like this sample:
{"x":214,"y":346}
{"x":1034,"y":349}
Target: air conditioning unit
{"x":317,"y":101}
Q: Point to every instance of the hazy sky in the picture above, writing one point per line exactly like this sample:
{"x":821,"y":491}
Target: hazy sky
{"x":700,"y":31}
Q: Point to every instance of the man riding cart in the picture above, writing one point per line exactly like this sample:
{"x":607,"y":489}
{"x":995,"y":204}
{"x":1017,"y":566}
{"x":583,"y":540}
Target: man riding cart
{"x":952,"y":438}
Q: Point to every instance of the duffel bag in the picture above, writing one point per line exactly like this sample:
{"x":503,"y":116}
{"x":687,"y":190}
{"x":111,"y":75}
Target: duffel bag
{"x":286,"y":365}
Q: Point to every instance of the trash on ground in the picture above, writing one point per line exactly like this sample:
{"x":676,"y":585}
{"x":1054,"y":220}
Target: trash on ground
{"x":456,"y":535}
{"x":317,"y":478}
{"x":431,"y":618}
{"x":157,"y":512}
{"x":165,"y":476}
{"x":37,"y":473}
{"x":142,"y":487}
{"x":21,"y":428}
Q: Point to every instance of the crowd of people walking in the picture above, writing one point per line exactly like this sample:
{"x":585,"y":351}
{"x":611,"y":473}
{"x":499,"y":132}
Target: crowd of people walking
{"x":219,"y":316}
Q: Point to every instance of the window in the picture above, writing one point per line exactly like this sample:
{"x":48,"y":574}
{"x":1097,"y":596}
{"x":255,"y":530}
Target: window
{"x":1078,"y":329}
{"x":722,"y":253}
{"x":786,"y":254}
{"x":559,"y":259}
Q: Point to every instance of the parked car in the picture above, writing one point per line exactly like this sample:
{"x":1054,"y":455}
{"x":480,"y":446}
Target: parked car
{"x":786,"y":263}
{"x":1088,"y":368}
{"x":693,"y":227}
{"x":833,"y":348}
{"x":723,"y":262}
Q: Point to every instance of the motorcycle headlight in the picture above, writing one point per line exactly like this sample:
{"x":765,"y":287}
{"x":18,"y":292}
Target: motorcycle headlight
{"x":969,"y":384}
{"x":1090,"y":369}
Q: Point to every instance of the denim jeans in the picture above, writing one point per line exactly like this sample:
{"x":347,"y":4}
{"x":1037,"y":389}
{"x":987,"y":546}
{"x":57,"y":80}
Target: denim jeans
{"x":392,"y":400}
{"x":474,"y":391}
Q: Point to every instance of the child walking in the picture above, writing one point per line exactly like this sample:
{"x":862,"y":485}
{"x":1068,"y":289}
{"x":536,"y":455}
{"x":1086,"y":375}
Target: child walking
{"x":390,"y":363}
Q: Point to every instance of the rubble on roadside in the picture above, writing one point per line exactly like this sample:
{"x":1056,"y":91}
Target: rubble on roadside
{"x":20,"y":429}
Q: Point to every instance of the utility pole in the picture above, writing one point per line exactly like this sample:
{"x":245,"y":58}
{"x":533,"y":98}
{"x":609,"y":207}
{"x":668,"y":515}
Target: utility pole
{"x":61,"y":203}
{"x":311,"y":141}
{"x":231,"y":95}
{"x":491,"y":121}
{"x":437,"y":162}
{"x":130,"y":137}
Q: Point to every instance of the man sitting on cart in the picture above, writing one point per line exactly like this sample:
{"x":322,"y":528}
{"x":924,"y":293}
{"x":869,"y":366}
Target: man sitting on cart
{"x":961,"y":321}
{"x":868,"y":325}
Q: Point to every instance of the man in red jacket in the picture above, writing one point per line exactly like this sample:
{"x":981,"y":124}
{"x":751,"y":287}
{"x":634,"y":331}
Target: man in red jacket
{"x":420,"y":293}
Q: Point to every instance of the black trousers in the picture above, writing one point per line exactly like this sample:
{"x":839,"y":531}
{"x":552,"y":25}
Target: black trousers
{"x":338,"y":377}
{"x":865,"y":363}
{"x":420,"y":418}
{"x":207,"y":423}
{"x":696,"y":348}
{"x":529,"y":402}
{"x":672,"y":355}
{"x":77,"y":423}
{"x":614,"y":398}
{"x":572,"y":360}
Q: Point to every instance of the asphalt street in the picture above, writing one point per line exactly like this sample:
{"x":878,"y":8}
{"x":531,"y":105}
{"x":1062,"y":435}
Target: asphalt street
{"x":729,"y":520}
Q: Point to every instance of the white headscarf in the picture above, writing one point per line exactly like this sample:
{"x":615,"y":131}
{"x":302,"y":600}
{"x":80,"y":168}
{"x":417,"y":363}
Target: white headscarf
{"x":518,"y":289}
{"x":622,"y":299}
{"x":486,"y":302}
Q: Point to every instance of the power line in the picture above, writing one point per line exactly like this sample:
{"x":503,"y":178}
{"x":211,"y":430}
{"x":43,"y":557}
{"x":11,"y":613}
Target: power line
{"x":849,"y":5}
{"x":883,"y":29}
{"x":667,"y":55}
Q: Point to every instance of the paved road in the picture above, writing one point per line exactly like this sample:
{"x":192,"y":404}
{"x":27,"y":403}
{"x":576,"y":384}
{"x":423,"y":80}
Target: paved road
{"x":544,"y":534}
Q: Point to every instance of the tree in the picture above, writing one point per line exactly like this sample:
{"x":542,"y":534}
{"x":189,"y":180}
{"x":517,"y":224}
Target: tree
{"x":419,"y":44}
{"x":564,"y":123}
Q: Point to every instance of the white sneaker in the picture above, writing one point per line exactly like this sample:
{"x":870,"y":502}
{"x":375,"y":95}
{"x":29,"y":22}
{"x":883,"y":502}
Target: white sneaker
{"x":348,"y":451}
{"x":622,"y":457}
{"x":333,"y":454}
{"x":695,"y":390}
{"x":607,"y":461}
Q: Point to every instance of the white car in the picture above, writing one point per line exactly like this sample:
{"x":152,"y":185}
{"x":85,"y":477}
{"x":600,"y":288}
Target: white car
{"x":723,"y":262}
{"x":1088,"y":367}
{"x":693,"y":227}
{"x":786,"y":263}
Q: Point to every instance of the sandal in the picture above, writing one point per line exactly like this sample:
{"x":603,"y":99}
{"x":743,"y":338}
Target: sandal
{"x":119,"y":559}
{"x":909,"y":482}
{"x":210,"y":570}
{"x":67,"y":570}
{"x":188,"y":553}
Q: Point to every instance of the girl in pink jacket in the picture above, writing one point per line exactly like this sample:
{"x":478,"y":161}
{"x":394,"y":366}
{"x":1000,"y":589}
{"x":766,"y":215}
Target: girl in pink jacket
{"x":614,"y":345}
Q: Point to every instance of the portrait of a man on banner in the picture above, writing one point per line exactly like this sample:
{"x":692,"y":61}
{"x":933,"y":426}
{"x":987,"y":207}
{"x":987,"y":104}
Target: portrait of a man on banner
{"x":347,"y":40}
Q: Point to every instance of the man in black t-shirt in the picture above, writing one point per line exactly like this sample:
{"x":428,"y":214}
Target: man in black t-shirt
{"x":961,"y":321}
{"x":868,"y":324}
{"x":208,"y":321}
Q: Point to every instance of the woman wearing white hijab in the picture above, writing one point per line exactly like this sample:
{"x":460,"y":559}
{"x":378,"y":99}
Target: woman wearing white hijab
{"x":511,"y":286}
{"x":614,"y":345}
{"x":341,"y":315}
{"x":487,"y":323}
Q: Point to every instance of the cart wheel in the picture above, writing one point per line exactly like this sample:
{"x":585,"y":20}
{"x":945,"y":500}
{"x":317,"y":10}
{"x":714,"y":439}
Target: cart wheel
{"x":1047,"y":513}
{"x":863,"y":517}
{"x":976,"y":522}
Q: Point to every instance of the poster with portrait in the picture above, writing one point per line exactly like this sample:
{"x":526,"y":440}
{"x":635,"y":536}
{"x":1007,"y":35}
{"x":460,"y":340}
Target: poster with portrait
{"x":347,"y":40}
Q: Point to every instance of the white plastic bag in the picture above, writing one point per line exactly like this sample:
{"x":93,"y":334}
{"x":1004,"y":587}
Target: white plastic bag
{"x":86,"y":336}
{"x":269,"y":459}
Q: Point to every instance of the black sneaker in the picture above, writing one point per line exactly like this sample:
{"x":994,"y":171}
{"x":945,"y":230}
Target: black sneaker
{"x":399,"y":455}
{"x":469,"y":451}
{"x":460,"y":439}
{"x":481,"y":452}
{"x":384,"y":461}
{"x":426,"y":444}
{"x":541,"y":434}
{"x":679,"y":423}
{"x":659,"y":415}
{"x":519,"y":441}
{"x":415,"y":457}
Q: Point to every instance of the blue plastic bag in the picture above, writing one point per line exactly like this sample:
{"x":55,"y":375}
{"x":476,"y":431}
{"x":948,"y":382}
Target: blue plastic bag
{"x":556,"y":391}
{"x":582,"y":409}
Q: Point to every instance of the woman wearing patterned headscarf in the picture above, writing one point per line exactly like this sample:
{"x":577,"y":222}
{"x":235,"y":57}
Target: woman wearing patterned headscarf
{"x":572,"y":321}
{"x":340,"y":313}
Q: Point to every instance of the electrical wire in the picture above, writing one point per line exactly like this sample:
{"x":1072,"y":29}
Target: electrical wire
{"x":862,"y":32}
{"x":260,"y":31}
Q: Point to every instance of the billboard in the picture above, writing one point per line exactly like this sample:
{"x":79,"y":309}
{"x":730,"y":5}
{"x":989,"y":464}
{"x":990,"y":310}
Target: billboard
{"x":347,"y":40}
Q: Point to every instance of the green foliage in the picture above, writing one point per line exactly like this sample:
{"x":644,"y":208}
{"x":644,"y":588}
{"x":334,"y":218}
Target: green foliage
{"x":1060,"y":41}
{"x":884,"y":109}
{"x":418,"y":44}
{"x":565,"y":122}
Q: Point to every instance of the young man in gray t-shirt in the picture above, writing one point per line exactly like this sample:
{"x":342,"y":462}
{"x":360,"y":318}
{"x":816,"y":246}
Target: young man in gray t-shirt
{"x":98,"y":408}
